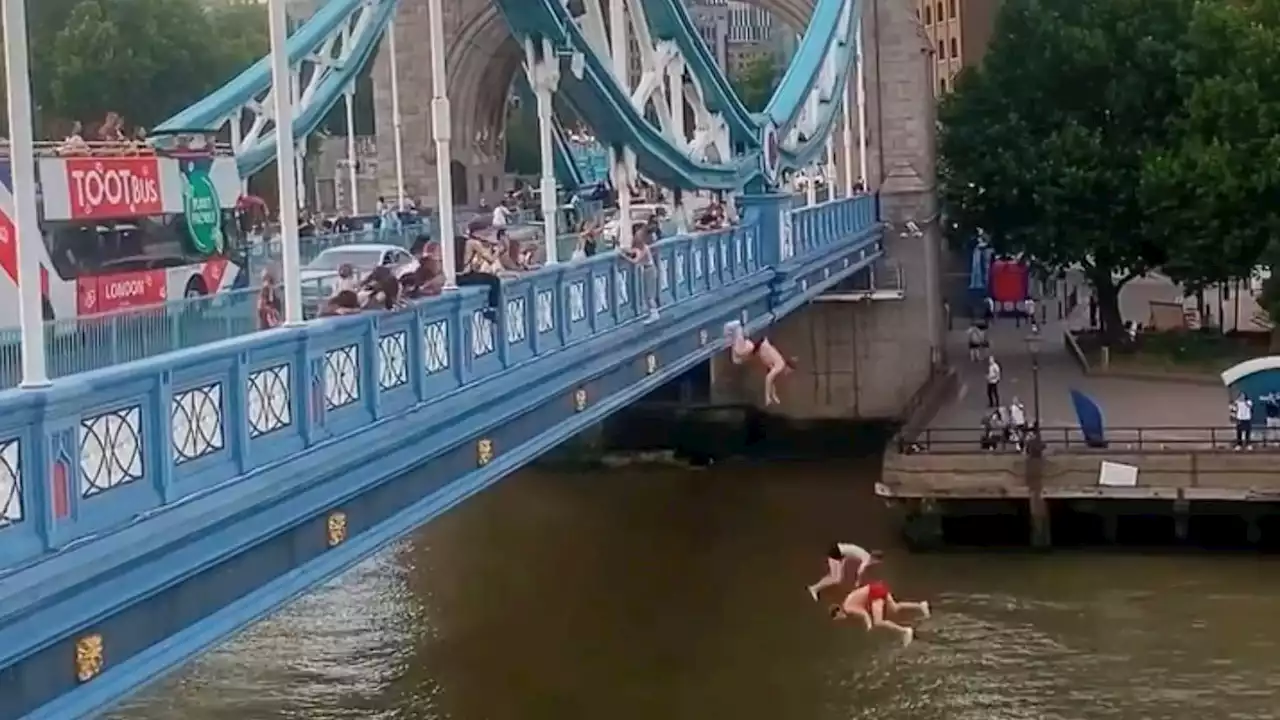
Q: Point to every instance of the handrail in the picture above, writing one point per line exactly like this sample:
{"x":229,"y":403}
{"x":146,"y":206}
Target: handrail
{"x":107,"y":148}
{"x":968,"y":441}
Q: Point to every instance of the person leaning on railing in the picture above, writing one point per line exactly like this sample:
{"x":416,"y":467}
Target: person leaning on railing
{"x":269,"y":305}
{"x":475,"y":267}
{"x":588,"y":241}
{"x":640,"y":254}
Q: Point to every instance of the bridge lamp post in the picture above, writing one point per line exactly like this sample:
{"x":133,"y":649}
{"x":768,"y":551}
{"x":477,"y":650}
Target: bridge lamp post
{"x":1033,"y":349}
{"x":543,"y":67}
{"x":861,"y":97}
{"x":282,"y":109}
{"x":25,"y":221}
{"x":353,"y":181}
{"x":441,"y":121}
{"x":395,"y":115}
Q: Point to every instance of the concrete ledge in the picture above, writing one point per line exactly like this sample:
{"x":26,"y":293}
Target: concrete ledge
{"x":1189,"y":475}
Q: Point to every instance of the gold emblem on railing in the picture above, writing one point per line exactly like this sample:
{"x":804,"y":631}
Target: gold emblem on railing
{"x":579,"y":399}
{"x":89,"y":659}
{"x":337,"y":528}
{"x":484,"y":452}
{"x":650,"y":364}
{"x":702,"y":337}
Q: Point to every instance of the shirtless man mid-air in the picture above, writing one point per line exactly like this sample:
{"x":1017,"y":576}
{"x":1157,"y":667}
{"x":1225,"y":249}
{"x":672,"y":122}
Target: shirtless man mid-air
{"x":743,"y":349}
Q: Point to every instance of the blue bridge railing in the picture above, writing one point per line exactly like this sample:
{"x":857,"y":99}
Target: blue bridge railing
{"x":80,"y":345}
{"x":307,"y":386}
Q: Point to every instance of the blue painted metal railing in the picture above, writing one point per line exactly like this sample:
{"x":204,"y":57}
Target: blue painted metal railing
{"x":130,"y":478}
{"x":302,"y":395}
{"x":81,"y":345}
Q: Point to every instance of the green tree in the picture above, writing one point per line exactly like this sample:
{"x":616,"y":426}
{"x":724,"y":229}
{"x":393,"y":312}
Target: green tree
{"x":143,"y":58}
{"x":1215,"y":191}
{"x":1046,"y":145}
{"x":757,"y":81}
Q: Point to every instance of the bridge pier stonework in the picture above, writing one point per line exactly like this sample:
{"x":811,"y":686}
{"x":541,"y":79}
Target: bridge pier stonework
{"x":480,"y":61}
{"x":866,"y":360}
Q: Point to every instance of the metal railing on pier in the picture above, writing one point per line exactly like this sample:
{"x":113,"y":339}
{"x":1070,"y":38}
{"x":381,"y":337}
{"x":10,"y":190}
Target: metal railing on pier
{"x":1072,"y":439}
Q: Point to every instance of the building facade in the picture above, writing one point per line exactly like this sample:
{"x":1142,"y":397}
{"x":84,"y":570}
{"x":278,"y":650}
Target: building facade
{"x":959,"y":32}
{"x":712,"y":21}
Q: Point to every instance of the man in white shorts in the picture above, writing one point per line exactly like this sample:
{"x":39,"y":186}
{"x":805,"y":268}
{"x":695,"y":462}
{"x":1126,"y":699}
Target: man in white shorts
{"x":840,"y":555}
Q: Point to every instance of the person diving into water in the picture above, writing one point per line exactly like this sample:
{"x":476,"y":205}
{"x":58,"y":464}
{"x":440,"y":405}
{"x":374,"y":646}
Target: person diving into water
{"x":873,"y":603}
{"x":839,"y":556}
{"x":742,"y":349}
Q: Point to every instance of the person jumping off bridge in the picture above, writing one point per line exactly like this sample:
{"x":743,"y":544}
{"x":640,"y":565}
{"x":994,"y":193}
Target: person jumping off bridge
{"x":743,"y":349}
{"x":872,"y":603}
{"x":840,"y":555}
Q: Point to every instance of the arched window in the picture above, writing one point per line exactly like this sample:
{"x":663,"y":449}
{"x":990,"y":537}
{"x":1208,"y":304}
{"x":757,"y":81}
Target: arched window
{"x":952,"y":8}
{"x":955,"y":48}
{"x":942,"y":83}
{"x":942,"y":51}
{"x":928,"y":15}
{"x":939,"y":11}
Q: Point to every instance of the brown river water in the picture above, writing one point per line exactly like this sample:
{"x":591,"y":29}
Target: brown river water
{"x":667,"y":594}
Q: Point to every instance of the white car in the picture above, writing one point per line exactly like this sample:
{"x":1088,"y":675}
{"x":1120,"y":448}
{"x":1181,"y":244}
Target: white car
{"x":639,"y":214}
{"x":320,"y":276}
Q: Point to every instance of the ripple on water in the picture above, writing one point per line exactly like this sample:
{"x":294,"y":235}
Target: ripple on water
{"x":1000,"y":657}
{"x":327,"y":656}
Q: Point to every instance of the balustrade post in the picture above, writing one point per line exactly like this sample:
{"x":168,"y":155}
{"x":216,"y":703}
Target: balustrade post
{"x":765,"y":211}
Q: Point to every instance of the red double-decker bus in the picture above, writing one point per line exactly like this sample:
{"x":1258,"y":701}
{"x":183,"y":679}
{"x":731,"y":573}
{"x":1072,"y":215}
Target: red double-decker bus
{"x":125,"y":226}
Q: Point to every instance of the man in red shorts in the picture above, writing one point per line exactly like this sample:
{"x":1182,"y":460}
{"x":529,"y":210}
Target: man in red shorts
{"x":872,"y":603}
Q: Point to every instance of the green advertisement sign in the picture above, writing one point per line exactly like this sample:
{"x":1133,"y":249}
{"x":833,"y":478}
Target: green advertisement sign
{"x":201,"y":205}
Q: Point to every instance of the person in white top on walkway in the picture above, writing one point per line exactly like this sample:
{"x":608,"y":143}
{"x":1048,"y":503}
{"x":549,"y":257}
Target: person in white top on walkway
{"x":993,"y":382}
{"x":1242,"y":413}
{"x":501,"y":216}
{"x":839,"y":555}
{"x":1018,"y":422}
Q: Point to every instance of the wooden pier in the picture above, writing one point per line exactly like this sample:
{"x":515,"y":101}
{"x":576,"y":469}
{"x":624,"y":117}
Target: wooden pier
{"x":1180,"y":473}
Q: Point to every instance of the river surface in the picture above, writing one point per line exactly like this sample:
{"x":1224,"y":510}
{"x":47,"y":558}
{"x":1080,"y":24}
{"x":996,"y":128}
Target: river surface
{"x":663,"y":594}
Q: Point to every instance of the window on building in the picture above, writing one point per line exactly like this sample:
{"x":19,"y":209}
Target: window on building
{"x":955,"y":48}
{"x":928,"y":16}
{"x":952,"y":9}
{"x":938,"y":12}
{"x":942,"y":50}
{"x":942,"y":84}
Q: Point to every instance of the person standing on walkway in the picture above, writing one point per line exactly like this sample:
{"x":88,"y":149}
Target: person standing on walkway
{"x":993,"y":382}
{"x":1018,"y":423}
{"x":1271,"y":410}
{"x":1242,"y":413}
{"x":977,"y":342}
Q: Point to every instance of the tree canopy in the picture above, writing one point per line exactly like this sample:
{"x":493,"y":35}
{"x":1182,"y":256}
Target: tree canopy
{"x":1124,"y":135}
{"x":144,"y":59}
{"x":756,"y":82}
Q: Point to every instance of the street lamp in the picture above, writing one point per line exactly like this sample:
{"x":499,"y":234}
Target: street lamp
{"x":26,"y":229}
{"x":1033,"y":349}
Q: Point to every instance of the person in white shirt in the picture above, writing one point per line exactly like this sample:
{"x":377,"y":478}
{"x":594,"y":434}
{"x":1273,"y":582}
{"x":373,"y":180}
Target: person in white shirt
{"x":1242,"y":412}
{"x":501,"y":216}
{"x":1018,"y":421}
{"x":839,"y":555}
{"x":993,"y":382}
